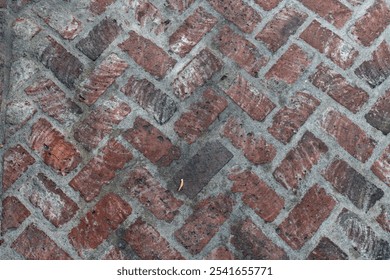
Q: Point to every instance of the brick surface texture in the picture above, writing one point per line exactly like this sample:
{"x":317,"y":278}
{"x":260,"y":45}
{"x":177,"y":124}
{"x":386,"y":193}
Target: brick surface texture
{"x":195,"y":129}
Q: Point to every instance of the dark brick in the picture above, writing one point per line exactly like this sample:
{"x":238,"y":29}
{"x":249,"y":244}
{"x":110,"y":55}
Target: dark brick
{"x":3,"y":3}
{"x":384,"y":218}
{"x":99,"y":6}
{"x":299,"y":161}
{"x":180,"y":5}
{"x":151,"y":99}
{"x":253,"y":243}
{"x":201,"y":168}
{"x":99,"y":38}
{"x":200,"y":115}
{"x":379,"y":115}
{"x":220,"y":253}
{"x":291,"y":117}
{"x":352,"y":184}
{"x":381,"y":167}
{"x":204,"y":223}
{"x":327,"y":250}
{"x":13,"y":214}
{"x":268,"y":4}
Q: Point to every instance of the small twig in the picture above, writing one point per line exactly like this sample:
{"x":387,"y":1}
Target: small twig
{"x":181,"y":185}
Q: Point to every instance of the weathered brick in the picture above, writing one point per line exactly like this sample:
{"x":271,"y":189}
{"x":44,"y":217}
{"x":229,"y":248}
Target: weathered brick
{"x":238,"y":12}
{"x":290,"y":65}
{"x":158,"y":200}
{"x":306,"y":217}
{"x":104,"y":218}
{"x":99,"y":6}
{"x":55,"y":205}
{"x":349,"y":136}
{"x":18,"y":113}
{"x":52,"y":101}
{"x":148,"y":244}
{"x":148,"y":55}
{"x":220,"y":253}
{"x":152,"y":143}
{"x":13,"y":214}
{"x":16,"y":162}
{"x":100,"y":170}
{"x":299,"y":161}
{"x":363,"y":238}
{"x":204,"y":223}
{"x":284,"y":24}
{"x":65,"y":66}
{"x":331,"y":10}
{"x":337,"y":87}
{"x":243,"y":52}
{"x":51,"y":145}
{"x":99,"y":38}
{"x":100,"y":122}
{"x":352,"y":184}
{"x":291,"y":117}
{"x":201,"y":168}
{"x":25,"y":28}
{"x":379,"y":115}
{"x":327,"y":250}
{"x":256,"y":194}
{"x":255,"y":148}
{"x":384,"y":218}
{"x":102,"y":77}
{"x":196,"y":73}
{"x":200,"y":115}
{"x":268,"y":4}
{"x":375,"y":71}
{"x":330,"y":44}
{"x":381,"y":167}
{"x":151,"y":99}
{"x":191,"y":31}
{"x":180,"y":5}
{"x":34,"y":244}
{"x":114,"y":254}
{"x":253,"y":243}
{"x":3,"y":3}
{"x":370,"y":26}
{"x":256,"y":104}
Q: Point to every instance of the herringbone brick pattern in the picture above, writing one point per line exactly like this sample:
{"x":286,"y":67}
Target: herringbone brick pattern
{"x":195,"y":129}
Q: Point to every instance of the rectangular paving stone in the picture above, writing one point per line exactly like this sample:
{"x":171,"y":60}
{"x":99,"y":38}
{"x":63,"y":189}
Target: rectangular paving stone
{"x":327,"y":250}
{"x":379,"y":115}
{"x":13,"y":214}
{"x":381,"y":166}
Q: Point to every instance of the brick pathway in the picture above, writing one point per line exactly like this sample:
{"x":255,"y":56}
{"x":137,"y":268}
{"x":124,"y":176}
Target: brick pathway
{"x":274,"y":116}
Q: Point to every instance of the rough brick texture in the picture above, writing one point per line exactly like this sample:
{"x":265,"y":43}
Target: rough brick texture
{"x":384,"y":218}
{"x":327,"y":250}
{"x":379,"y":115}
{"x":14,"y":213}
{"x":220,"y":253}
{"x":381,"y":167}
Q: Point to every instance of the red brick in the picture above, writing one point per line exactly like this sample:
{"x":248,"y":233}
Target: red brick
{"x":268,"y":4}
{"x":383,"y":219}
{"x":370,"y":26}
{"x":99,"y":6}
{"x":352,"y":184}
{"x":18,"y":114}
{"x":102,"y":77}
{"x":331,"y":10}
{"x":52,"y":101}
{"x":16,"y":162}
{"x":337,"y":87}
{"x":299,"y":161}
{"x":381,"y":167}
{"x":55,"y":205}
{"x":51,"y":145}
{"x":180,"y":5}
{"x":148,"y":15}
{"x":291,"y":117}
{"x":200,"y":115}
{"x":284,"y":24}
{"x":255,"y":148}
{"x":375,"y":71}
{"x":290,"y":65}
{"x":379,"y":115}
{"x":330,"y":44}
{"x":148,"y":55}
{"x":191,"y":32}
{"x":95,"y":227}
{"x":64,"y":65}
{"x":256,"y":194}
{"x":349,"y":136}
{"x":114,"y":254}
{"x":241,"y":14}
{"x":158,"y":200}
{"x":220,"y":253}
{"x":253,"y":243}
{"x":152,"y":143}
{"x":196,"y":73}
{"x":34,"y":244}
{"x":3,"y":3}
{"x":204,"y":223}
{"x":100,"y":122}
{"x":327,"y":250}
{"x":100,"y":170}
{"x":306,"y":217}
{"x":99,"y":38}
{"x":14,"y":213}
{"x":148,"y":244}
{"x":243,"y":52}
{"x":154,"y":101}
{"x":256,"y":104}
